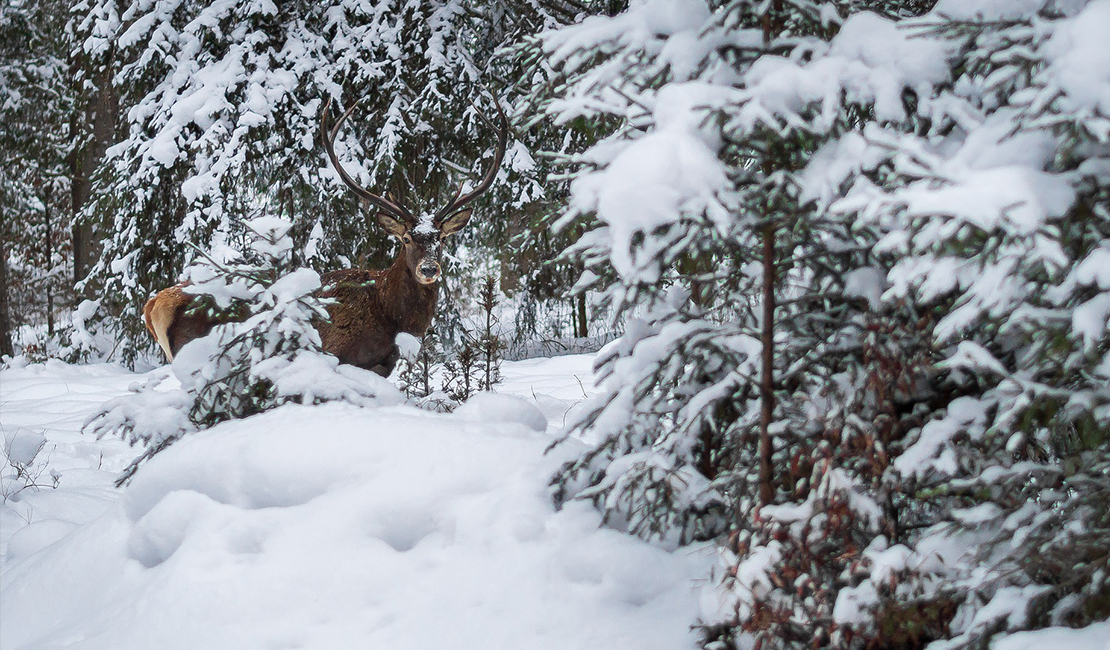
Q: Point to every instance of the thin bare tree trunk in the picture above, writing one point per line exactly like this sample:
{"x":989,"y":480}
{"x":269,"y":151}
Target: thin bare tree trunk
{"x":767,"y":383}
{"x":767,"y":379}
{"x":5,"y":319}
{"x":583,"y":328}
{"x":49,"y":257}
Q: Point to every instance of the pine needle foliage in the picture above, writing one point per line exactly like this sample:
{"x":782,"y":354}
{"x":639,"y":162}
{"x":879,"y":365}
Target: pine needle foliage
{"x":855,"y":245}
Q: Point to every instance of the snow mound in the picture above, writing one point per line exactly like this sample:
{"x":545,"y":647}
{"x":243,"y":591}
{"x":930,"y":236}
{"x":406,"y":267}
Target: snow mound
{"x":496,"y":407}
{"x":335,"y":526}
{"x":36,"y":536}
{"x":1092,"y":637}
{"x":408,"y":345}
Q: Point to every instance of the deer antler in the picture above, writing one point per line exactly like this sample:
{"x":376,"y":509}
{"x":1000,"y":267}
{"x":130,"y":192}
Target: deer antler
{"x":328,"y":136}
{"x":460,"y":200}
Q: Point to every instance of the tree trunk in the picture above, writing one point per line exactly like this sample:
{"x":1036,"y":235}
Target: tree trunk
{"x":767,"y":379}
{"x":582,"y":325}
{"x":767,"y":383}
{"x":99,"y":117}
{"x":5,"y":320}
{"x":49,"y":260}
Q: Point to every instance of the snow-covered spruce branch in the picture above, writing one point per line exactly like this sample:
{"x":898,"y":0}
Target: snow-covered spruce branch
{"x":272,"y":356}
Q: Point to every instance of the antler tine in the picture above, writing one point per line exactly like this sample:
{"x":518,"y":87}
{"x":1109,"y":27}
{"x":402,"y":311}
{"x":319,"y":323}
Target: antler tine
{"x":459,"y":202}
{"x":328,"y":136}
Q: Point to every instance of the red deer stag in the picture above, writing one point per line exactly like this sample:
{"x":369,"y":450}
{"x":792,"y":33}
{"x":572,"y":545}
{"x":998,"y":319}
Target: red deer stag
{"x":371,"y":306}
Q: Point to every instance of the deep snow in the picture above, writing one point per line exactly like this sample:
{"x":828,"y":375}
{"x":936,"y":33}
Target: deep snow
{"x":325,"y":527}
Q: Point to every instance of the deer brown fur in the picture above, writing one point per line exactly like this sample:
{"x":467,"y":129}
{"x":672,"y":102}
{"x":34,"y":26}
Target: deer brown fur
{"x":172,"y":323}
{"x":370,"y":306}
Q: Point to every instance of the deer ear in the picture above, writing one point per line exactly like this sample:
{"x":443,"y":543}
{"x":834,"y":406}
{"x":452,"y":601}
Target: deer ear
{"x":455,"y":222}
{"x":391,"y":225}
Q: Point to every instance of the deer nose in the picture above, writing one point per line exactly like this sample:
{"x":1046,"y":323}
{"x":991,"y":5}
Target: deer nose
{"x":429,"y":270}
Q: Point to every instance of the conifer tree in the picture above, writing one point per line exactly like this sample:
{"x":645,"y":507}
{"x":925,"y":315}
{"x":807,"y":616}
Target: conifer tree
{"x":997,"y":212}
{"x":488,"y":340}
{"x":224,"y":103}
{"x":851,"y":323}
{"x":462,"y":372}
{"x":36,"y":102}
{"x":416,"y":374}
{"x":688,"y":260}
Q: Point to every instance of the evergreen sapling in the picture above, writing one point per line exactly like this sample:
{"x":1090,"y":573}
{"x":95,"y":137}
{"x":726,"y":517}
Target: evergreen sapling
{"x":266,"y":354}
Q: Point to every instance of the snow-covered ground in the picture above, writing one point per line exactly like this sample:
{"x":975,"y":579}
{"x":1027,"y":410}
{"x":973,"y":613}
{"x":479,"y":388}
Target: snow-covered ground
{"x":323,"y":527}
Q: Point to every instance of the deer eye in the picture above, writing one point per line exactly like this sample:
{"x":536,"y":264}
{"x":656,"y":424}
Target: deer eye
{"x":406,"y":239}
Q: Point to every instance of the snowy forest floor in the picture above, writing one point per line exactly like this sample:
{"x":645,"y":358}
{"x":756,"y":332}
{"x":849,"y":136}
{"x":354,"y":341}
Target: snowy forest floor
{"x":323,"y":527}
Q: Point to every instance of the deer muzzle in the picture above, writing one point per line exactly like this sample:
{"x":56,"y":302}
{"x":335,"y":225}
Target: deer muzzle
{"x":429,"y":272}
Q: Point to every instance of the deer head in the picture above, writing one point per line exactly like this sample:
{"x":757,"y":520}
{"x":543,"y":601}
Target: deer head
{"x":421,"y":237}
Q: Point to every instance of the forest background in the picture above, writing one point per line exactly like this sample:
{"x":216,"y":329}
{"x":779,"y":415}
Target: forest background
{"x":854,"y":256}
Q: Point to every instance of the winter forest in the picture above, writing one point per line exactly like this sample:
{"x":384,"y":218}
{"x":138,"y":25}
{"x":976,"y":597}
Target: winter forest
{"x":502,"y":324}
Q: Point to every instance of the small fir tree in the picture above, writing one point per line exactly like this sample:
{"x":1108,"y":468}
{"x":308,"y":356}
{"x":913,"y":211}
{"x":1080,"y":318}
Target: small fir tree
{"x":266,"y":353}
{"x":267,"y":307}
{"x":462,"y":372}
{"x":489,"y":340}
{"x":416,"y":373}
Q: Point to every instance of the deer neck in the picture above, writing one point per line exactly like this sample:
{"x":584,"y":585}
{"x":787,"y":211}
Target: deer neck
{"x":407,"y":302}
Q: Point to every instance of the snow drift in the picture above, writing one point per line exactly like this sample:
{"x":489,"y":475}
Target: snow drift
{"x":336,"y":526}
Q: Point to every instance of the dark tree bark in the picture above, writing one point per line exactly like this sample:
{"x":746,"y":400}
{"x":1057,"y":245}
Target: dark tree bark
{"x":49,"y":257}
{"x":92,"y":132}
{"x":5,"y":319}
{"x":581,"y":323}
{"x":767,"y":380}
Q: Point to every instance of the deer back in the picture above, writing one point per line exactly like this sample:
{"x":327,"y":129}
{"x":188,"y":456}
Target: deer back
{"x":174,"y":317}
